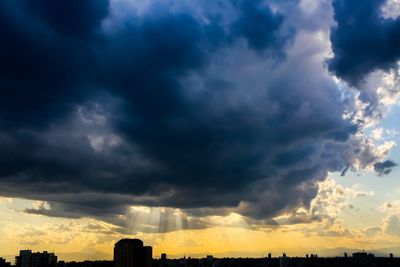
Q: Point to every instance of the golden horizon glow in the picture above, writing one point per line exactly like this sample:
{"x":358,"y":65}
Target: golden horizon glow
{"x":231,"y":235}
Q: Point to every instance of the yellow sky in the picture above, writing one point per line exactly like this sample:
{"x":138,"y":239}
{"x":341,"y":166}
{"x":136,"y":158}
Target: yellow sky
{"x":231,"y":235}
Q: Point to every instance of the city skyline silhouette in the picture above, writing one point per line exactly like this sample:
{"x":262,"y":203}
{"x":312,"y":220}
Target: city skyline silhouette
{"x":133,"y":253}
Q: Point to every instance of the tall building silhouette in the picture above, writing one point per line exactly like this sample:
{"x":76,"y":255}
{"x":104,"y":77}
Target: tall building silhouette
{"x":38,"y":259}
{"x":132,"y":253}
{"x":163,"y":256}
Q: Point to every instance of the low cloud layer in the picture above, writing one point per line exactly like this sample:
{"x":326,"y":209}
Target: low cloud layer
{"x":206,"y":108}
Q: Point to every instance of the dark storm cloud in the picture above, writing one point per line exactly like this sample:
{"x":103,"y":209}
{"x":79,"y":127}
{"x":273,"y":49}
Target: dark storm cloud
{"x":178,"y":106}
{"x":384,"y":167}
{"x":259,"y":25}
{"x":41,"y":69}
{"x":74,"y":17}
{"x":362,"y":40}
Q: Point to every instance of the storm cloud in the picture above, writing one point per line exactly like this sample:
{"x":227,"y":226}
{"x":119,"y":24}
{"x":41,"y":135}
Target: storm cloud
{"x":384,"y":167}
{"x":363,"y":40}
{"x":200,"y":106}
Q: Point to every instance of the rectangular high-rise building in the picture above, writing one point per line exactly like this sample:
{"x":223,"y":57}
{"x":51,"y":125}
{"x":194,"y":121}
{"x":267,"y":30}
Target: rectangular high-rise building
{"x":132,"y":253}
{"x":39,"y":259}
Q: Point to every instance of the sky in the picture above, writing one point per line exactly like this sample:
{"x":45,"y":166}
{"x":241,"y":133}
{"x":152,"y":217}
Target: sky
{"x":224,"y":127}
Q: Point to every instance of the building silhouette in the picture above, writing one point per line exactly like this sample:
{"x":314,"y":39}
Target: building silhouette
{"x":3,"y":263}
{"x":132,"y":253}
{"x":38,"y":259}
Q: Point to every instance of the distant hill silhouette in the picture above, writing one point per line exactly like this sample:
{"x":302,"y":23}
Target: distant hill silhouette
{"x":87,"y":253}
